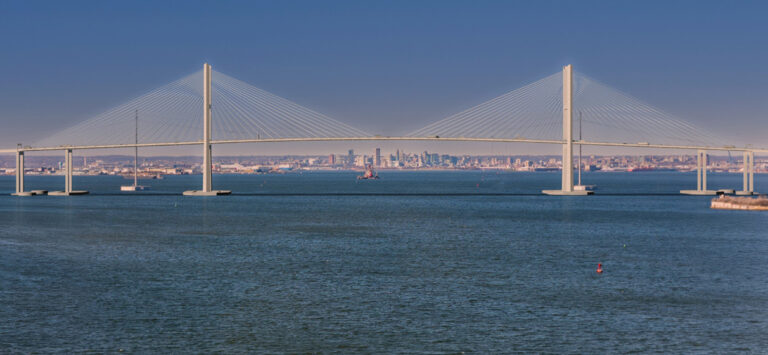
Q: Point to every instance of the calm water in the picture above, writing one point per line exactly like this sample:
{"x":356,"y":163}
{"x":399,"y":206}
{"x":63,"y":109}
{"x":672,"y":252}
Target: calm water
{"x":427,"y":262}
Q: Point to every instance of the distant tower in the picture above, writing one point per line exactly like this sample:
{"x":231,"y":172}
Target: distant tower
{"x":351,"y":157}
{"x":377,"y":160}
{"x":331,"y":159}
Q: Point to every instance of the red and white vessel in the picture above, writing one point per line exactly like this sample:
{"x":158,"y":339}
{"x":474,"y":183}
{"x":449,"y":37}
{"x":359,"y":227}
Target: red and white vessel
{"x":369,"y":174}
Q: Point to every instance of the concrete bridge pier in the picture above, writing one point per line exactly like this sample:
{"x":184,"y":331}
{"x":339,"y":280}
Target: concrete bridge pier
{"x":749,"y":174}
{"x":567,"y":174}
{"x":68,"y":191}
{"x":20,"y":175}
{"x":207,"y":163}
{"x":701,"y":176}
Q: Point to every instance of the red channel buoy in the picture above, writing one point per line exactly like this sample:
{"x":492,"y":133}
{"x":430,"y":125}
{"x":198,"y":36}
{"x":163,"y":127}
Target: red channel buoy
{"x":599,"y":268}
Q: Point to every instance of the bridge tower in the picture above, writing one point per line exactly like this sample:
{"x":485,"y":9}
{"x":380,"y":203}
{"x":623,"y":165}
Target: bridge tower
{"x":20,"y":174}
{"x":567,"y":174}
{"x":207,"y":162}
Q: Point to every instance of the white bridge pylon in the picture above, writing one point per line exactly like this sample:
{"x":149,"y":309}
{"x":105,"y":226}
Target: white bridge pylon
{"x":567,"y":162}
{"x":207,"y":166}
{"x":245,"y":111}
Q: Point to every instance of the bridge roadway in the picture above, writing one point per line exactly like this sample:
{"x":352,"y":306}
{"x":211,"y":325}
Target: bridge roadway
{"x":384,"y":138}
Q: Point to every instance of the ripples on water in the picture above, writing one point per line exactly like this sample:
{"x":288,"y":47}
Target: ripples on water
{"x":401,"y":269}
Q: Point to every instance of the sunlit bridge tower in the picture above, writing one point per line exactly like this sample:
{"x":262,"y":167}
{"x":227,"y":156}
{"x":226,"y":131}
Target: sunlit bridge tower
{"x":207,"y":164}
{"x":567,"y":175}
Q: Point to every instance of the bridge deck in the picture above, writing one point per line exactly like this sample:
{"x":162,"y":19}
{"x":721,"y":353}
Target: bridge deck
{"x":380,"y":138}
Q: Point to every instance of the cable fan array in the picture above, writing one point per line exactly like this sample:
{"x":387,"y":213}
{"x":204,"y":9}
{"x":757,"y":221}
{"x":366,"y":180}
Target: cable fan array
{"x":535,"y":112}
{"x":528,"y":112}
{"x":174,"y":113}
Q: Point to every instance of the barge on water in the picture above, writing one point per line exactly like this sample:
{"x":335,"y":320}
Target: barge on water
{"x":740,"y":203}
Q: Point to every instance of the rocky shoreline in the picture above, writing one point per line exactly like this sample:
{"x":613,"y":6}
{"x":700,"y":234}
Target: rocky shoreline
{"x":740,"y":203}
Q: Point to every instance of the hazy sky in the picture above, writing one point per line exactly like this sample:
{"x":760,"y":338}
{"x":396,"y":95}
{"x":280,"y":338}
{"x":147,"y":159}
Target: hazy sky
{"x":387,"y":67}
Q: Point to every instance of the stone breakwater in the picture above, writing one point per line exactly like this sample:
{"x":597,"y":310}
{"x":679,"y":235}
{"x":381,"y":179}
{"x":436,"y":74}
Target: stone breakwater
{"x":740,"y":203}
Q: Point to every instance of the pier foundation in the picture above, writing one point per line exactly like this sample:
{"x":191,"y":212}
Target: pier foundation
{"x":701,"y":176}
{"x":68,"y":178}
{"x":20,"y":175}
{"x":749,"y":175}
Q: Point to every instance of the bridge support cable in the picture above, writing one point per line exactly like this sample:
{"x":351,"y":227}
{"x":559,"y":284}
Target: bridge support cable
{"x":170,"y":115}
{"x":609,"y":116}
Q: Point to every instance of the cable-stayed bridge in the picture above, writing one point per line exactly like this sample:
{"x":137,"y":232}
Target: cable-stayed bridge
{"x":543,"y":112}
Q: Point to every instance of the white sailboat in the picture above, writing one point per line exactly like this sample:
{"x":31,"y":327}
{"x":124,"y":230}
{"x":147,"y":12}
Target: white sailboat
{"x":135,"y":186}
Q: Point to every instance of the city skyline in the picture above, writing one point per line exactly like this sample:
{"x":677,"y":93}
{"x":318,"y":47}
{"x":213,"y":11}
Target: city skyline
{"x":356,"y":161}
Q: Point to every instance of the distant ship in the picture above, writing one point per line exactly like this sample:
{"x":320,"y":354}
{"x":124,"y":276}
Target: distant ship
{"x":145,"y":176}
{"x":581,"y":187}
{"x":133,"y":188}
{"x":369,"y":174}
{"x":647,"y":168}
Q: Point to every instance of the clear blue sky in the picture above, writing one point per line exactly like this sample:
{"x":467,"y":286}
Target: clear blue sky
{"x":386,"y":67}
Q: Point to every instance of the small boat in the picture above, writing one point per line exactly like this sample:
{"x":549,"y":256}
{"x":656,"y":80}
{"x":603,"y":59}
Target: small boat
{"x":584,"y":187}
{"x":369,"y":174}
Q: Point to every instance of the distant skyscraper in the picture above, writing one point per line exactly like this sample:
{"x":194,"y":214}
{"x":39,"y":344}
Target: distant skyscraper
{"x":331,"y":159}
{"x":351,"y":157}
{"x":377,"y":160}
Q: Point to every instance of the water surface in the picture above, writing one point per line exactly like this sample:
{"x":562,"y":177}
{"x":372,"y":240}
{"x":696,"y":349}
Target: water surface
{"x":437,"y":262}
